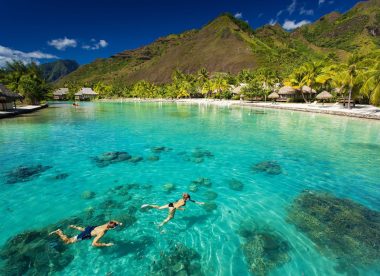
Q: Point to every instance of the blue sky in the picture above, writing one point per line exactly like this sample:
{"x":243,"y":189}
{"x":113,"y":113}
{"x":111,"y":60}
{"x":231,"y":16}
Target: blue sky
{"x":85,"y":30}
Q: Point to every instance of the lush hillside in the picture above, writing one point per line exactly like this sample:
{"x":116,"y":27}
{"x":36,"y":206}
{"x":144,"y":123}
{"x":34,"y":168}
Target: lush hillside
{"x":229,"y":45}
{"x":356,"y":30}
{"x":55,"y":70}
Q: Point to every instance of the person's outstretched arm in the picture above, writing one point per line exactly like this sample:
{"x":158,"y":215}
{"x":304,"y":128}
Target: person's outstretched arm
{"x":96,"y":242}
{"x":197,"y":202}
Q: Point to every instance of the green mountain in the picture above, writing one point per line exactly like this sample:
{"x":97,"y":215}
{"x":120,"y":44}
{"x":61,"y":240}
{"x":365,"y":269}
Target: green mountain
{"x":227,"y":44}
{"x":55,"y":70}
{"x":356,"y":30}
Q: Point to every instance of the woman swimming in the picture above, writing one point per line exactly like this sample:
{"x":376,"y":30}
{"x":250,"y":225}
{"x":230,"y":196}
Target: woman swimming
{"x":173,"y":206}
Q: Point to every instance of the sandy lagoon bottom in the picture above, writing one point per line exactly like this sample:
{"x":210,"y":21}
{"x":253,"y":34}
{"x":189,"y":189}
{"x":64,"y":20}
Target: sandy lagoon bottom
{"x":274,"y":182}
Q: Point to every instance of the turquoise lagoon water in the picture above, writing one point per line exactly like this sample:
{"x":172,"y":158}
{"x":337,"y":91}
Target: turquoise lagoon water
{"x":317,"y":152}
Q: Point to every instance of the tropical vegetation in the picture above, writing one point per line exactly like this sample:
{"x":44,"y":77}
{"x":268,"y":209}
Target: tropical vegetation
{"x":357,"y":79}
{"x":27,"y":80}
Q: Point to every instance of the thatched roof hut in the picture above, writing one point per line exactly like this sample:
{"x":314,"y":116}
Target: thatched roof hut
{"x":61,"y":92}
{"x":307,"y":89}
{"x":8,"y":98}
{"x":6,"y":94}
{"x":324,"y":96}
{"x":237,"y":89}
{"x":273,"y":95}
{"x":286,"y":90}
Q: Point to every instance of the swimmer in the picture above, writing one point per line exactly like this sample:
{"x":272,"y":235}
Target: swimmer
{"x":88,"y":233}
{"x":173,"y":207}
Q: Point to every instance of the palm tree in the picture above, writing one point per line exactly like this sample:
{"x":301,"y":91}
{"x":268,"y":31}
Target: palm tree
{"x":219,"y":84}
{"x":202,"y":76}
{"x":371,"y":83}
{"x":297,"y":80}
{"x":267,"y":78}
{"x":206,"y":88}
{"x":311,"y":72}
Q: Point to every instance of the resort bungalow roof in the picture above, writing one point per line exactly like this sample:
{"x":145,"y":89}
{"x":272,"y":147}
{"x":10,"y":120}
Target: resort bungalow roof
{"x":307,"y":89}
{"x":324,"y":96}
{"x":273,"y":95}
{"x":237,"y":89}
{"x":6,"y":94}
{"x":286,"y":90}
{"x":61,"y":92}
{"x":86,"y":91}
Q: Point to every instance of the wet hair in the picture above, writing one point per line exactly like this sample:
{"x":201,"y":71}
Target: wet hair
{"x":186,"y":196}
{"x":112,"y":224}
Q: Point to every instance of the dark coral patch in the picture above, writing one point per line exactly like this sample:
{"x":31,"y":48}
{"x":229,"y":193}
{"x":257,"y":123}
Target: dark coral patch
{"x":198,"y":155}
{"x":179,"y":260}
{"x":135,"y":159}
{"x":34,"y":253}
{"x":153,"y":158}
{"x":210,"y":206}
{"x":263,"y":249}
{"x":109,"y":158}
{"x":202,"y":181}
{"x":235,"y":185}
{"x":160,"y":149}
{"x":269,"y":167}
{"x":341,"y":228}
{"x":25,"y":173}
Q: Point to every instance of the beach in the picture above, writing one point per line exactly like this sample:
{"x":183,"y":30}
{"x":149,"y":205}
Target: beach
{"x":360,"y":111}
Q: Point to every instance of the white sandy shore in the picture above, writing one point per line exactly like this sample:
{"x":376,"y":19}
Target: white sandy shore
{"x":360,"y":111}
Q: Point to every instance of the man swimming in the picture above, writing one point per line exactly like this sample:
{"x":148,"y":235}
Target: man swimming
{"x":89,"y":232}
{"x":173,"y":207}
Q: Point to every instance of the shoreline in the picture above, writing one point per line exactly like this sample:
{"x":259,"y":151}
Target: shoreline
{"x":361,"y":111}
{"x":22,"y":110}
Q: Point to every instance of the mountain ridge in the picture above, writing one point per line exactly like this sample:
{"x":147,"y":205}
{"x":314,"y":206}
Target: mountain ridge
{"x":53,"y":71}
{"x":227,"y":44}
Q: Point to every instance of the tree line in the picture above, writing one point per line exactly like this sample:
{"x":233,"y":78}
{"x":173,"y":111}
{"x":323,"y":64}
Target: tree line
{"x":358,"y":78}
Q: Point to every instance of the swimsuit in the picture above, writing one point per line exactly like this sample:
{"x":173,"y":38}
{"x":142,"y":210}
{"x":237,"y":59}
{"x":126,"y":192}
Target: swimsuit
{"x":86,"y":234}
{"x":171,"y":204}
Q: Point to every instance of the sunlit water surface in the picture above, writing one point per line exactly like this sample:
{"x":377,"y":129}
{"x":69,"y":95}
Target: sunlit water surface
{"x":316,"y":152}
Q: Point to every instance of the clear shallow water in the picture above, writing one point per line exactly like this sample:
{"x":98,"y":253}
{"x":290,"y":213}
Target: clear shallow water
{"x":335,"y":154}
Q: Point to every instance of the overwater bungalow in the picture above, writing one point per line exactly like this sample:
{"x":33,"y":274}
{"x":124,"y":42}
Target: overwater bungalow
{"x":60,"y":94}
{"x":8,"y":98}
{"x":85,"y":94}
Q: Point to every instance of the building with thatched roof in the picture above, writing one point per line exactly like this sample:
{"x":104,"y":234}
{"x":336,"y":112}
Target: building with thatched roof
{"x":324,"y":96}
{"x":273,"y":96}
{"x":61,"y":94}
{"x":287,"y":92}
{"x":307,"y":89}
{"x":85,"y":94}
{"x":8,"y":98}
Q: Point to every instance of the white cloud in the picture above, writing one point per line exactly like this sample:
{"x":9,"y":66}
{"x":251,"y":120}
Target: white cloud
{"x":292,"y":7}
{"x":320,"y":2}
{"x":279,"y":13}
{"x":292,"y":24}
{"x":63,"y":43}
{"x":96,"y":45}
{"x":306,"y":12}
{"x":8,"y":55}
{"x":272,"y":22}
{"x":238,"y":15}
